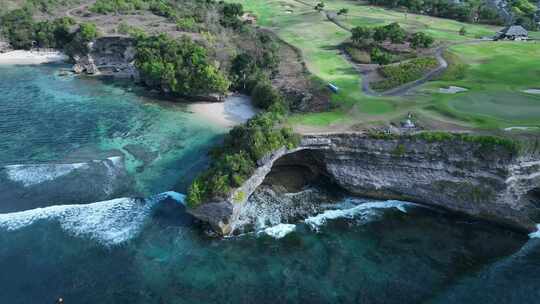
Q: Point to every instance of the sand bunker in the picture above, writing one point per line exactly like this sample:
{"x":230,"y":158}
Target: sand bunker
{"x":452,"y":90}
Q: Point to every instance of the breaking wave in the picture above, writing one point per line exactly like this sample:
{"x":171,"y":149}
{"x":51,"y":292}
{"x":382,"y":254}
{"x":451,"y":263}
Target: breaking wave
{"x":30,"y":175}
{"x":536,"y":235}
{"x":109,"y":222}
{"x":279,"y":231}
{"x":354,"y":208}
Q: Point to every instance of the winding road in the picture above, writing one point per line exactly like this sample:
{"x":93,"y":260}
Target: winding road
{"x":405,"y":88}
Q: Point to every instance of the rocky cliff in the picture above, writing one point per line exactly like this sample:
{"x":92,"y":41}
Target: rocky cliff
{"x":110,"y":55}
{"x":490,"y":181}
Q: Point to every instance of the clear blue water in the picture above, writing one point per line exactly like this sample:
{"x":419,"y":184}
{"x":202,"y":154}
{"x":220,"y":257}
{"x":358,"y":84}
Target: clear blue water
{"x":151,"y":251}
{"x":48,"y":118}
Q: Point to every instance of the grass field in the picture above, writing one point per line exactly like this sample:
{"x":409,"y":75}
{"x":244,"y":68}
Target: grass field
{"x":496,"y":75}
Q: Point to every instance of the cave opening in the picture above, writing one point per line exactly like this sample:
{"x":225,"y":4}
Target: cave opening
{"x":301,"y":170}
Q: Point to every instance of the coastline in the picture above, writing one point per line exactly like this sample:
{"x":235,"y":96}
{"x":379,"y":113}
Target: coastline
{"x":236,"y":109}
{"x":31,"y":57}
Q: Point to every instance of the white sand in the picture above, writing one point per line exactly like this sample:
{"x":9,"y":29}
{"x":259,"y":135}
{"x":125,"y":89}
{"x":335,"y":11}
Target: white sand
{"x":235,"y":110}
{"x":452,"y":90}
{"x":31,"y":57}
{"x":532,"y":91}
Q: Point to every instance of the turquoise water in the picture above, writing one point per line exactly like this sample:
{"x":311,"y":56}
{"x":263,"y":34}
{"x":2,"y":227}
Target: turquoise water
{"x":150,"y":251}
{"x":46,"y":118}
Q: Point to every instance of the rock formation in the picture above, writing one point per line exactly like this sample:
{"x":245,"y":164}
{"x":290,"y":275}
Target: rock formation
{"x":110,"y":55}
{"x":491,"y":182}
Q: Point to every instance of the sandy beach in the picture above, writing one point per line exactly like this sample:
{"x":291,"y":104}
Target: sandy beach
{"x":31,"y":57}
{"x":234,"y":110}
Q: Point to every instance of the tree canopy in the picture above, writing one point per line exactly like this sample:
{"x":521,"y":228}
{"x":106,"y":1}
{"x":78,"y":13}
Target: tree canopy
{"x":178,"y":66}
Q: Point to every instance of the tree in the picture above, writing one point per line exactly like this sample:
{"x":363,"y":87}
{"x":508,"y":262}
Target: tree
{"x":231,"y":12}
{"x":178,"y":66}
{"x":360,"y":33}
{"x":380,"y":34}
{"x":264,"y":95}
{"x":421,"y":40}
{"x":343,"y":11}
{"x":380,"y":57}
{"x":395,"y":33}
{"x":18,"y":28}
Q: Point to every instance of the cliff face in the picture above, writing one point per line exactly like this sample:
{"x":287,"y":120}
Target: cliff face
{"x":109,"y":55}
{"x":492,"y":182}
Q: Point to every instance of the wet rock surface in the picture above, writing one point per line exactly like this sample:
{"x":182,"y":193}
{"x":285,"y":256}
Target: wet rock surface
{"x":494,"y":184}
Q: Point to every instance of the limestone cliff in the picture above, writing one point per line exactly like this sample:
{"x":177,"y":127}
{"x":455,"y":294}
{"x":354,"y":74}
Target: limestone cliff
{"x":492,"y":182}
{"x":110,"y":55}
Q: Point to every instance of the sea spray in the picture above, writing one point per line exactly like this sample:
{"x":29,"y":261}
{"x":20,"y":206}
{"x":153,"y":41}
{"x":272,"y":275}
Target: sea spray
{"x":361,"y":210}
{"x":280,"y":231}
{"x":109,"y":222}
{"x":537,"y":233}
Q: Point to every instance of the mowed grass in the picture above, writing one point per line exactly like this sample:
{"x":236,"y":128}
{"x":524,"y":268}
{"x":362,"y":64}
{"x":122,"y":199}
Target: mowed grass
{"x":497,"y":75}
{"x":491,"y":77}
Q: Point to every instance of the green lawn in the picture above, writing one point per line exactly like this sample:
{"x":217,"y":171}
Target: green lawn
{"x":497,"y":73}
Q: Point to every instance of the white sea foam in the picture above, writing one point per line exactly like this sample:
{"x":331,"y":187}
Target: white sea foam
{"x":364,"y":210}
{"x":536,"y":235}
{"x":30,"y":175}
{"x":280,"y":231}
{"x":110,"y":222}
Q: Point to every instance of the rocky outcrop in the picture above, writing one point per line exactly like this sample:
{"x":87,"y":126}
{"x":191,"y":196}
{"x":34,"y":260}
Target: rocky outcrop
{"x":492,"y":182}
{"x":5,"y":46}
{"x":110,"y":55}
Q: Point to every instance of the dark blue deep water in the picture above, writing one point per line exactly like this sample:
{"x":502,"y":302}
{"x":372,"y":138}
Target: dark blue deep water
{"x":149,"y":250}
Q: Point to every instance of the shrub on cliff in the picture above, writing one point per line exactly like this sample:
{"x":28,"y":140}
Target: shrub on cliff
{"x":79,"y":42}
{"x":236,"y":160}
{"x":18,"y":28}
{"x":264,"y":95}
{"x":178,"y":66}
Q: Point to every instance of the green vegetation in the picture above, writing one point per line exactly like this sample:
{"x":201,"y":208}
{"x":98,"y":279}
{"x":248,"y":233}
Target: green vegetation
{"x":236,"y":160}
{"x":178,"y":66}
{"x":396,"y":75}
{"x":486,"y":142}
{"x":367,"y":39}
{"x":24,"y":33}
{"x":495,"y":75}
{"x":119,"y":6}
{"x":421,"y":40}
{"x":466,"y":11}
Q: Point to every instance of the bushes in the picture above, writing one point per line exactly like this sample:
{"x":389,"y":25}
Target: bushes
{"x":178,"y":66}
{"x":79,"y":42}
{"x":264,"y":95}
{"x":236,"y":160}
{"x":421,"y":40}
{"x":231,"y":12}
{"x":118,"y":6}
{"x":18,"y":28}
{"x":380,"y":57}
{"x":23,"y":33}
{"x":188,"y":24}
{"x":404,"y":72}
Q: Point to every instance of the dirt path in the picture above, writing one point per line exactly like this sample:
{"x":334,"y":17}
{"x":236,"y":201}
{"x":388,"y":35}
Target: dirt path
{"x":405,"y":88}
{"x":69,"y":13}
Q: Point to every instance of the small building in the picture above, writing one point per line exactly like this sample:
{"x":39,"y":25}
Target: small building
{"x":513,"y":32}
